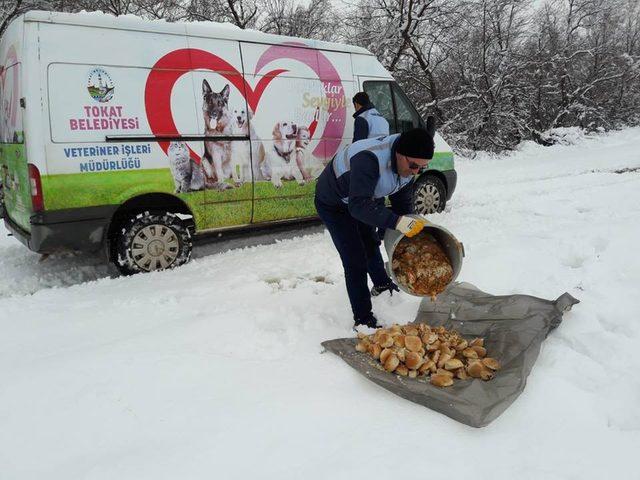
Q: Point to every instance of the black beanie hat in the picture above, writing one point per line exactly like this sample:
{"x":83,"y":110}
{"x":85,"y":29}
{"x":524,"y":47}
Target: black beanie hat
{"x":362,"y":98}
{"x":416,"y":143}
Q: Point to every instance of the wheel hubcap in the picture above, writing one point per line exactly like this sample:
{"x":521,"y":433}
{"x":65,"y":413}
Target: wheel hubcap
{"x":155,"y":247}
{"x":427,"y":199}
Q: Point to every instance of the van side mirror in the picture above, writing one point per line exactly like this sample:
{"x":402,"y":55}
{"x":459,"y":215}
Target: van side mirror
{"x":431,"y":125}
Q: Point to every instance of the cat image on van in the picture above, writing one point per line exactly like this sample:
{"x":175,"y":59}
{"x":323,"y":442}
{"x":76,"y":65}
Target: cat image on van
{"x":187,"y":175}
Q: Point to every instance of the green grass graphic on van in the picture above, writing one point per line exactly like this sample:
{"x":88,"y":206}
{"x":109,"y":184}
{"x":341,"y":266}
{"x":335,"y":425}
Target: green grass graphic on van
{"x":441,"y":161}
{"x":211,"y":209}
{"x":16,"y":185}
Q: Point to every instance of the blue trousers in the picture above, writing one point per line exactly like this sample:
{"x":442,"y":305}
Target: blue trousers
{"x":359,"y":247}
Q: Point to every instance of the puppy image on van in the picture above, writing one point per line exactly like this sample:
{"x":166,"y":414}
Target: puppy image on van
{"x":279,"y":155}
{"x":303,"y":138}
{"x":240,"y":151}
{"x":187,"y":174}
{"x":217,"y":122}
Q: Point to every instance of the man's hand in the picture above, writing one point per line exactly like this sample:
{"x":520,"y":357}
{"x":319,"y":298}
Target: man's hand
{"x":410,"y":226}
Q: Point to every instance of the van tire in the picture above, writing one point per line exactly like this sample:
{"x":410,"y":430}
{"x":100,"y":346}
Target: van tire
{"x":429,"y":195}
{"x":151,"y":241}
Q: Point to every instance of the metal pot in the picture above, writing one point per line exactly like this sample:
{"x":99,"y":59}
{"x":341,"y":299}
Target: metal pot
{"x":450,"y":244}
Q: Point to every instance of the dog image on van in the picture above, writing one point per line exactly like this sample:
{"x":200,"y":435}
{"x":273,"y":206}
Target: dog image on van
{"x":279,"y":162}
{"x":217,"y":122}
{"x":187,"y":174}
{"x":240,"y":151}
{"x":303,"y":138}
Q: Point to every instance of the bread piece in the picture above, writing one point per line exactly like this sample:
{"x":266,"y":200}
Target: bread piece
{"x":444,"y":358}
{"x":385,"y":354}
{"x":392,"y":363}
{"x":413,"y":360}
{"x":453,"y":364}
{"x":492,"y":363}
{"x":401,"y":353}
{"x":481,"y":351}
{"x":427,"y":366}
{"x":413,"y":331}
{"x":385,"y":340}
{"x":375,"y":350}
{"x":486,"y":374}
{"x":395,"y":328}
{"x":475,"y":369}
{"x":469,"y":353}
{"x":413,"y":343}
{"x":441,"y":380}
{"x":461,"y":345}
{"x":398,"y":341}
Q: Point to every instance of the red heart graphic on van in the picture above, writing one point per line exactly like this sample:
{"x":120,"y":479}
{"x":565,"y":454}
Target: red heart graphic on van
{"x":172,"y":66}
{"x":166,"y":72}
{"x":331,"y":85}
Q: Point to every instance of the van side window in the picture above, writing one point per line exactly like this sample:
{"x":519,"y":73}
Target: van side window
{"x":406,"y":115}
{"x":394,"y":105}
{"x":380,"y":95}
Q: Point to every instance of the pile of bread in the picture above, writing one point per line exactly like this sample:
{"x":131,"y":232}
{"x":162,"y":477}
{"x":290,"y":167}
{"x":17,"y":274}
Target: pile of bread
{"x":421,"y":265}
{"x":419,"y":350}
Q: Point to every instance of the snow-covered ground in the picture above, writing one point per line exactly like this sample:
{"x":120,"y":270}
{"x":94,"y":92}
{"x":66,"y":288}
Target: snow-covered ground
{"x":215,"y":370}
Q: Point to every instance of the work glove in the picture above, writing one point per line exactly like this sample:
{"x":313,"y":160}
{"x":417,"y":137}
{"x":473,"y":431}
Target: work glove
{"x":410,"y":226}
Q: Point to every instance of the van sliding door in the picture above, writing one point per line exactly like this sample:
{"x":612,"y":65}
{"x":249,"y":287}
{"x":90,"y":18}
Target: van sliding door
{"x":223,"y":120}
{"x":299,"y":103}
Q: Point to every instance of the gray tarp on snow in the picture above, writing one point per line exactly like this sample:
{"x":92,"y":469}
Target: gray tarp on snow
{"x":513,"y":326}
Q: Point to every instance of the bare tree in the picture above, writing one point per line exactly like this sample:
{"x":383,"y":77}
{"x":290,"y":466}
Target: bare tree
{"x":494,"y":72}
{"x":242,"y":13}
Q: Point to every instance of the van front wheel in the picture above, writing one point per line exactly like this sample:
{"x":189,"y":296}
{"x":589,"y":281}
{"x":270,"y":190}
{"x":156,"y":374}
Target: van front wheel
{"x":152,"y":241}
{"x":429,"y":195}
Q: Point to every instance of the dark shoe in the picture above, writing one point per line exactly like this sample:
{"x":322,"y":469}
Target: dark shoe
{"x":390,"y":287}
{"x":369,"y":321}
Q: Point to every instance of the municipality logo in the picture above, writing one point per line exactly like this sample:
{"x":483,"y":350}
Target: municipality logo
{"x":100,"y":85}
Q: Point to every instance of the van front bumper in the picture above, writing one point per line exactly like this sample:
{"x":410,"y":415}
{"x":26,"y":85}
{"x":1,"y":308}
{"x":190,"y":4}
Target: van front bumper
{"x":451,"y":177}
{"x":63,"y":230}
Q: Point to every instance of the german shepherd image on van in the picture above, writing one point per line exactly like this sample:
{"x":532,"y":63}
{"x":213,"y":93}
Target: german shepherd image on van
{"x":217,"y":122}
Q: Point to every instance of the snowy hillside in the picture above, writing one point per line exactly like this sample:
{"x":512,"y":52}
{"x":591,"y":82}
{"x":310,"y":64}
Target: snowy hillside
{"x":214,"y":370}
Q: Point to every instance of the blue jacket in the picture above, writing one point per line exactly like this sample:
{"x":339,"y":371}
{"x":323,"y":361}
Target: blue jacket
{"x":363,"y":173}
{"x":369,"y":123}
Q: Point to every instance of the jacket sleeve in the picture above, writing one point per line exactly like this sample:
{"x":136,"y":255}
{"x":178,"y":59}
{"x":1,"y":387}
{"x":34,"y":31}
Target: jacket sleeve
{"x":363,"y":206}
{"x":360,"y":129}
{"x":402,"y":200}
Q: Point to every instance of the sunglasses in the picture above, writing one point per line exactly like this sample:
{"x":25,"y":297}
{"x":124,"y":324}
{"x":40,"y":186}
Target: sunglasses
{"x":415,"y":166}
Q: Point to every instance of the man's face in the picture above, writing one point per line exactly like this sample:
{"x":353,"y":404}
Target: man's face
{"x":356,"y":106}
{"x":408,"y":166}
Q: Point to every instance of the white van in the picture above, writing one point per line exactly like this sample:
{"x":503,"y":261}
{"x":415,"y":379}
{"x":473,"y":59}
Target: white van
{"x":133,"y":135}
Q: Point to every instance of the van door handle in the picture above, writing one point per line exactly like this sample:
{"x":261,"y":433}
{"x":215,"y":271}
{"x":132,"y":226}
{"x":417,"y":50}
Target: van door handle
{"x":171,"y":138}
